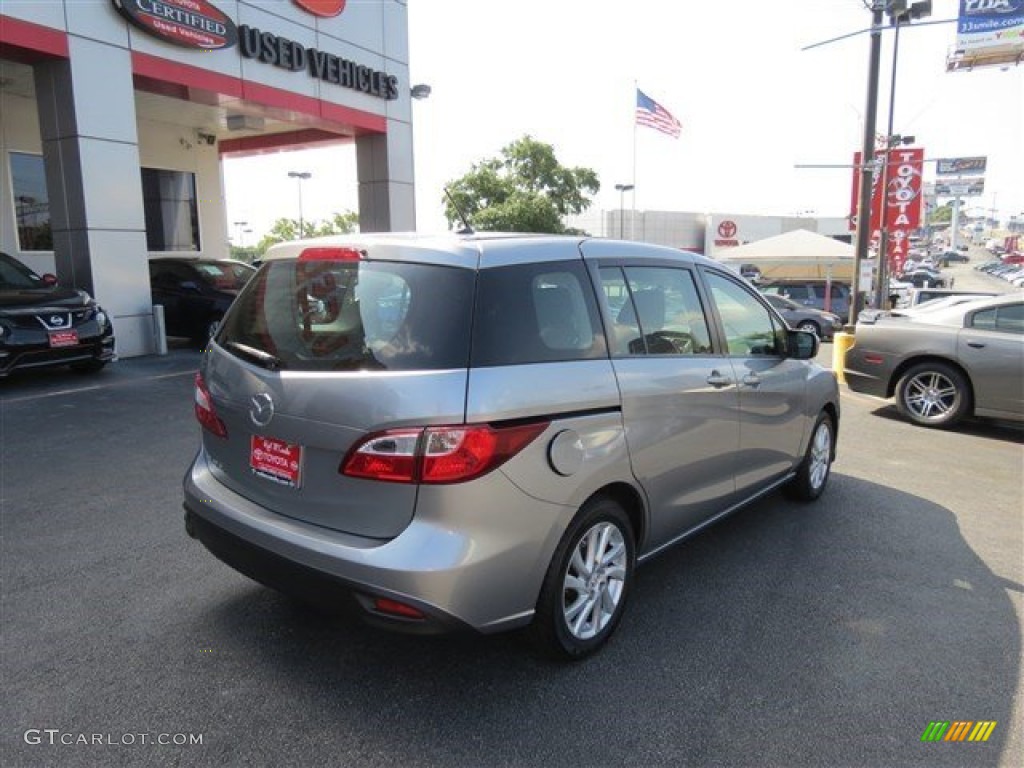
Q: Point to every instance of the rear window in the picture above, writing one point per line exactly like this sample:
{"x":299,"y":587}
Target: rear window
{"x":536,"y":313}
{"x":348,"y":316}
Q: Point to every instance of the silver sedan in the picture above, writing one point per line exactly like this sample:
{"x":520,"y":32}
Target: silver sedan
{"x":942,"y":366}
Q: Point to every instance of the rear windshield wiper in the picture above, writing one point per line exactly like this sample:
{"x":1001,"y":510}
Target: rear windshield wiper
{"x":257,"y":356}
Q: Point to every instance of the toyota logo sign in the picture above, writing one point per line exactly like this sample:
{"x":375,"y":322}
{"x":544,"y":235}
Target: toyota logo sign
{"x":325,"y":8}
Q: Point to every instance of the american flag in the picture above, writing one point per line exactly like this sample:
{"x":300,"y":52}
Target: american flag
{"x":653,"y":115}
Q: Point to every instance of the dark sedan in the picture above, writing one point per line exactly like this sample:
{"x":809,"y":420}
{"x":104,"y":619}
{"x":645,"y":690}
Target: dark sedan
{"x":195,"y":293}
{"x":953,"y":257}
{"x":822,"y":324}
{"x":923,"y":278}
{"x":945,"y":365}
{"x":44,"y":325}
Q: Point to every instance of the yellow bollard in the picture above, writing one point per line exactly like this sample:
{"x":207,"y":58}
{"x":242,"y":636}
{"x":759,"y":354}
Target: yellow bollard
{"x":841,"y":342}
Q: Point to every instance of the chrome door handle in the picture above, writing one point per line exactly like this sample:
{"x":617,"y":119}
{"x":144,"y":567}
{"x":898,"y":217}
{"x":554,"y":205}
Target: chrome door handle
{"x":752,"y":380}
{"x":717,"y":380}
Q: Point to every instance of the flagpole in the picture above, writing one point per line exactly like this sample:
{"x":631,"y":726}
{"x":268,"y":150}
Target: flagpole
{"x":632,"y":212}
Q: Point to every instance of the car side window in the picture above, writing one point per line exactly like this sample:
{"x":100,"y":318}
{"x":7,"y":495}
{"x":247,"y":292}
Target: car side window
{"x":749,"y":327}
{"x":655,"y":311}
{"x":1009,"y":319}
{"x":172,"y":275}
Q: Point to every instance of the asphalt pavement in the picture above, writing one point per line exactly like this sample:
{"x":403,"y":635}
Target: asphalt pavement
{"x":828,"y":634}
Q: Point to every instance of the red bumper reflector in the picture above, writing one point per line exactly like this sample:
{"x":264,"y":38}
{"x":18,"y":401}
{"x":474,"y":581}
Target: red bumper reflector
{"x":395,"y":608}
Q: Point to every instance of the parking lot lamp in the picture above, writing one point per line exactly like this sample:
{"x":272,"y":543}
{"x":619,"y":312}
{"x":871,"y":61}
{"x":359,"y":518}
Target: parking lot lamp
{"x":622,"y":190}
{"x":301,"y":176}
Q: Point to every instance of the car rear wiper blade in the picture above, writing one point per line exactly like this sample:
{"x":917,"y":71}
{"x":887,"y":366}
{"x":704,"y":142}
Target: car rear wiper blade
{"x":258,"y":356}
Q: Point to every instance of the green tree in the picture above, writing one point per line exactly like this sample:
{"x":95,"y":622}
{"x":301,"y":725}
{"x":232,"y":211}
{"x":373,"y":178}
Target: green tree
{"x":942,"y":215}
{"x":288,"y":229}
{"x":523,"y":190}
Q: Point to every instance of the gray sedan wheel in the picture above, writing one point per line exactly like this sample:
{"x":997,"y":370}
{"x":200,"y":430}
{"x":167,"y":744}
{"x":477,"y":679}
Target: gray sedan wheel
{"x":933,"y":394}
{"x":587,"y":583}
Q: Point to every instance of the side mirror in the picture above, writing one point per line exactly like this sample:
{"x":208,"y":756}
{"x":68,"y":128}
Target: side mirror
{"x":802,"y":345}
{"x":49,"y":279}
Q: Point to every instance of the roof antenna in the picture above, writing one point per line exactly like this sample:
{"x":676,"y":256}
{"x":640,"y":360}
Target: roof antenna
{"x":467,"y":229}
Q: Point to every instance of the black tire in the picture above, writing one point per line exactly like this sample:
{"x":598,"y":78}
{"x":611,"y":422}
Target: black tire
{"x":816,"y":468}
{"x":810,"y":325}
{"x":933,"y":394}
{"x":88,"y":366}
{"x":551,"y":632}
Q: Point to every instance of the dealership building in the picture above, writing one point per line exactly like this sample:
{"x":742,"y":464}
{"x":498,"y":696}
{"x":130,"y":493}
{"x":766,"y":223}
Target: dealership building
{"x":115,"y":116}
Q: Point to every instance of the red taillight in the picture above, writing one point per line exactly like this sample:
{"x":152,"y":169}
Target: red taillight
{"x":206,"y":414}
{"x":438,"y":454}
{"x":873,"y":359}
{"x":395,"y":608}
{"x":330,"y":253}
{"x":387,"y":456}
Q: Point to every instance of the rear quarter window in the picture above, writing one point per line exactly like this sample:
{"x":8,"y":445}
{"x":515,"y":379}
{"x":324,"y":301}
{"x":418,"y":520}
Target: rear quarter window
{"x":536,"y":313}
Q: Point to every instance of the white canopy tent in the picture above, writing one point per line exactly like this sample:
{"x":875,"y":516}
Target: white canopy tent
{"x":798,"y":254}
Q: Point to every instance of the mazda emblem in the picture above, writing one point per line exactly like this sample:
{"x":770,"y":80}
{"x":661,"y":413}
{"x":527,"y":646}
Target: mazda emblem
{"x":56,"y":320}
{"x":261,"y":409}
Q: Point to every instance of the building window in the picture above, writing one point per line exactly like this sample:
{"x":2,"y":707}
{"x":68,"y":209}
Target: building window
{"x":172,"y":215}
{"x":31,"y":202}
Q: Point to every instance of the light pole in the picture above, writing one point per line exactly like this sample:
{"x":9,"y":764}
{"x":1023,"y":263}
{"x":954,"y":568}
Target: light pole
{"x":301,"y":176}
{"x":622,"y":190}
{"x":899,"y":11}
{"x":867,"y":157}
{"x":238,"y":233}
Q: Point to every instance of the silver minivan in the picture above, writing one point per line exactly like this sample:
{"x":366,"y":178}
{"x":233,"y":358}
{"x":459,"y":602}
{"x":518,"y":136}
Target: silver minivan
{"x":491,"y":431}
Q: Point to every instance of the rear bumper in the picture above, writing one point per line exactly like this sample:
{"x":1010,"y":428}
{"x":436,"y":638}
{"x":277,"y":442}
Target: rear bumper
{"x":481,"y":571}
{"x":309,"y":584}
{"x":866,"y":378}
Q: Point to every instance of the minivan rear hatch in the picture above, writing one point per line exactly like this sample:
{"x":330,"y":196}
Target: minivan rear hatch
{"x":315,"y":354}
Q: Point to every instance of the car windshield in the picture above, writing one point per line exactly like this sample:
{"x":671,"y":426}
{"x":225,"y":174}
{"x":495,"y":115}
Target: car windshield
{"x":14,"y":275}
{"x":224,"y":275}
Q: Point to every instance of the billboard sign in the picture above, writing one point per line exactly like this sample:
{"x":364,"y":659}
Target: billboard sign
{"x":969,"y":187}
{"x":989,"y":23}
{"x":989,"y":33}
{"x":958,"y":166}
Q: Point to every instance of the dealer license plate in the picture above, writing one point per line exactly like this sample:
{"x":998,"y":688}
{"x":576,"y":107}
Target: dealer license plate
{"x":276,"y":460}
{"x":64,"y":338}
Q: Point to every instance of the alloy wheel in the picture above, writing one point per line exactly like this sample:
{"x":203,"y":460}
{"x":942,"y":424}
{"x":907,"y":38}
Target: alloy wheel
{"x":594,"y":580}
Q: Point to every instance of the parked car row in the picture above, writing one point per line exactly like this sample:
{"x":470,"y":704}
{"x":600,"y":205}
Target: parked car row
{"x":1010,"y":269}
